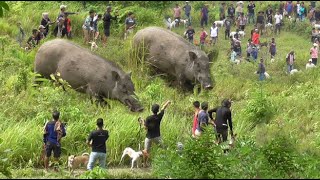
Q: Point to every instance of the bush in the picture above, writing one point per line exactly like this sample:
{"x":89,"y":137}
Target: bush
{"x":96,"y":173}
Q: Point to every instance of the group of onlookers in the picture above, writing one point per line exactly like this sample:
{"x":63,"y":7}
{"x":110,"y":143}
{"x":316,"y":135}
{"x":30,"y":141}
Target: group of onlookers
{"x":63,"y":27}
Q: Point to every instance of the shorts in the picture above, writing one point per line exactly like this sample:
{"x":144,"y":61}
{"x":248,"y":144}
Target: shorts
{"x":148,"y":142}
{"x":53,"y":147}
{"x":107,"y":32}
{"x":222,"y":133}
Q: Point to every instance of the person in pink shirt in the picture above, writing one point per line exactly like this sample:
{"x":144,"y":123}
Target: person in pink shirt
{"x":196,"y":106}
{"x":314,"y":53}
{"x":203,"y":36}
{"x":177,"y":14}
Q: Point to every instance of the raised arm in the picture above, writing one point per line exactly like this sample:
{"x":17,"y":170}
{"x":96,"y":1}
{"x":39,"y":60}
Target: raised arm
{"x":165,"y":105}
{"x":212,"y":111}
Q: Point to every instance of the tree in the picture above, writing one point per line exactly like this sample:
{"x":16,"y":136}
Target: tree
{"x":3,"y":5}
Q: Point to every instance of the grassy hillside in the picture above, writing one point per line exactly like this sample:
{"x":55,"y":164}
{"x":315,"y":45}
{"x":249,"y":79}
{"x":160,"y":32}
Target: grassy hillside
{"x":286,"y":104}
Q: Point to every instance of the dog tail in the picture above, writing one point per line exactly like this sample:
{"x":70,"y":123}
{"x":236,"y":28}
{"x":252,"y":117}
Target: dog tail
{"x":85,"y":154}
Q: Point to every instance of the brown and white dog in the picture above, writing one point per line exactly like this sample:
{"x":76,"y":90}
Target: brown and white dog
{"x":94,"y":46}
{"x":135,"y":156}
{"x":74,"y":162}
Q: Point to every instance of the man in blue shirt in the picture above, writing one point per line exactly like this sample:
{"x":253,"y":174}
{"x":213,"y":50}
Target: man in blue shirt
{"x":203,"y":118}
{"x":51,"y":139}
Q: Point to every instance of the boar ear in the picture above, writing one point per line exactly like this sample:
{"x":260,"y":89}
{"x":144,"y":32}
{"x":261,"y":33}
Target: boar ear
{"x":193,"y":56}
{"x":115,"y":76}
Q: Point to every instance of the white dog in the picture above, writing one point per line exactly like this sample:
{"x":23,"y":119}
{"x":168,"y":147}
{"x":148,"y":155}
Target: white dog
{"x":135,"y":156}
{"x":316,"y":26}
{"x":269,"y":25}
{"x":241,"y":33}
{"x":220,"y":22}
{"x":94,"y":46}
{"x":272,"y":60}
{"x":185,"y":22}
{"x":267,"y":75}
{"x":293,"y":71}
{"x":171,"y":24}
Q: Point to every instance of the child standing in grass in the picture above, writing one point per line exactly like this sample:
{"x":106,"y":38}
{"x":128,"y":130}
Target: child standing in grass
{"x":203,"y":36}
{"x":272,"y":49}
{"x":31,"y":42}
{"x":261,"y":70}
{"x":190,"y":33}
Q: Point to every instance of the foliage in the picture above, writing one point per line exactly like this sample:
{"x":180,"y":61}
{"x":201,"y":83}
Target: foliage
{"x":3,"y":6}
{"x":96,"y":173}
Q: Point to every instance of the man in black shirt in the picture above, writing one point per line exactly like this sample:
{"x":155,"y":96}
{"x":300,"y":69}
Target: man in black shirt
{"x":97,"y":140}
{"x":106,"y":24}
{"x":269,"y":14}
{"x":152,"y":125}
{"x":223,"y":118}
{"x":190,"y":33}
{"x":231,"y":11}
{"x":260,"y":22}
{"x":251,"y":7}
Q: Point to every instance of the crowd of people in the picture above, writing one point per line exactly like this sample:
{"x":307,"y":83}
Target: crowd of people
{"x":63,"y":27}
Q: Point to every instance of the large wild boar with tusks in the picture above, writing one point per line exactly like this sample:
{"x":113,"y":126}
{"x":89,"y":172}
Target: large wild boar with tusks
{"x":86,"y":72}
{"x":171,"y":54}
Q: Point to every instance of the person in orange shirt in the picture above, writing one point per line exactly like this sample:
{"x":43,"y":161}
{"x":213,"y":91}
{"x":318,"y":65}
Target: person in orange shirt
{"x":256,"y":37}
{"x":196,"y":106}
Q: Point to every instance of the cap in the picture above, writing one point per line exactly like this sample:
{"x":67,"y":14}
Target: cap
{"x":41,"y":27}
{"x":63,"y":6}
{"x":310,"y":60}
{"x":315,"y":44}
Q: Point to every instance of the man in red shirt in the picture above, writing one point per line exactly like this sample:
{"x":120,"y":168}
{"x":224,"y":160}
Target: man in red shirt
{"x":256,"y":37}
{"x":196,"y":106}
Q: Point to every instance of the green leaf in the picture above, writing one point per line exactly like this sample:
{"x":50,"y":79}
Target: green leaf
{"x":1,"y":12}
{"x":4,"y":5}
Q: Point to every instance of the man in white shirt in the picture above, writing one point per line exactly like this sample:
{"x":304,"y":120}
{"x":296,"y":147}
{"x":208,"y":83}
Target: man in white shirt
{"x":310,"y":65}
{"x":214,"y":33}
{"x":278,"y":18}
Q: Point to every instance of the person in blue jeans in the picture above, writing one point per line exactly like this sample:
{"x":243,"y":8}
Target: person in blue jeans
{"x":261,"y":70}
{"x":97,"y":140}
{"x":290,"y":58}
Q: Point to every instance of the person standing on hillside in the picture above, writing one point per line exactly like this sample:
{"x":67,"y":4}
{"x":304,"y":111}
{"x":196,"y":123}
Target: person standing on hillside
{"x":177,"y":14}
{"x":97,"y":141}
{"x":290,"y":58}
{"x":107,"y":23}
{"x":261,"y":70}
{"x":21,"y":35}
{"x":260,"y":22}
{"x":196,"y":106}
{"x":222,"y":11}
{"x":222,"y":119}
{"x":203,"y":36}
{"x":278,"y":19}
{"x":214,"y":31}
{"x":227,"y":25}
{"x":187,"y":11}
{"x":88,"y":27}
{"x":61,"y":17}
{"x":53,"y":132}
{"x":130,"y":24}
{"x":190,"y":34}
{"x":204,"y":15}
{"x":203,"y":119}
{"x":46,"y":22}
{"x":314,"y":53}
{"x":231,"y":13}
{"x":272,"y":49}
{"x":152,"y":125}
{"x":242,"y":21}
{"x":96,"y":20}
{"x":256,"y":38}
{"x":251,"y":6}
{"x":269,"y":14}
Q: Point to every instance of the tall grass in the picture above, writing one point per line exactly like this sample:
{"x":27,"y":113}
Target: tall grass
{"x":24,"y":108}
